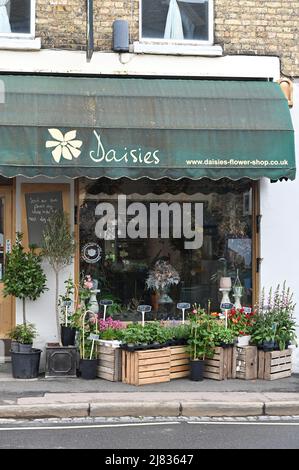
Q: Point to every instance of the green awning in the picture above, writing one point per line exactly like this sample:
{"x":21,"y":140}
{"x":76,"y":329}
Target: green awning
{"x":136,"y":127}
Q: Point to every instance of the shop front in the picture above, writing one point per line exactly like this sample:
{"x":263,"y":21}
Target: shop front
{"x":160,"y":178}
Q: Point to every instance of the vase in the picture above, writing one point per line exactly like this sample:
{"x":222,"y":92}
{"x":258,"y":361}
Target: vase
{"x":155,"y":301}
{"x":225,"y":283}
{"x":164,"y":297}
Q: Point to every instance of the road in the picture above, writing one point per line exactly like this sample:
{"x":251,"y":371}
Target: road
{"x":173,"y":434}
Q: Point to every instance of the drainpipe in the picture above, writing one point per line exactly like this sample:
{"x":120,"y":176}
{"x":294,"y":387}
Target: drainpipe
{"x":89,"y":30}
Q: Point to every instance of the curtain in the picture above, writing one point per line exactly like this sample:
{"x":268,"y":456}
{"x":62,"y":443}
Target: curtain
{"x":174,"y":27}
{"x":4,"y":20}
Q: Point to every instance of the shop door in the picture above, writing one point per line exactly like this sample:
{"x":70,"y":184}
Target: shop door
{"x":6,"y":235}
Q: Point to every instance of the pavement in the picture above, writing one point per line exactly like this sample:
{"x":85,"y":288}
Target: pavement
{"x":77,"y":398}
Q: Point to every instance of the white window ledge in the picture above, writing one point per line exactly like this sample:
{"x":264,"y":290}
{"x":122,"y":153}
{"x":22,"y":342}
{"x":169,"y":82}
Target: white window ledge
{"x":20,"y":44}
{"x":177,"y":49}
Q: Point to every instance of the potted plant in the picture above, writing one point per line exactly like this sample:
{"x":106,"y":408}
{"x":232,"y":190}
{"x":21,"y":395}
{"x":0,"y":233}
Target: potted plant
{"x":224,"y":337}
{"x":88,"y":335}
{"x":161,"y":278}
{"x":111,"y":332}
{"x":23,"y":336}
{"x":24,"y":279}
{"x":275,"y":326}
{"x":241,"y":323}
{"x":58,"y":249}
{"x":65,"y":302}
{"x":221,"y":275}
{"x":201,"y":342}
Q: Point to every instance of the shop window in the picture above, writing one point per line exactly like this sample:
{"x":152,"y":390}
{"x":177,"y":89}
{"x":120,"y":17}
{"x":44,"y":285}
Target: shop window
{"x":17,"y":18}
{"x":177,"y":20}
{"x":121,"y":261}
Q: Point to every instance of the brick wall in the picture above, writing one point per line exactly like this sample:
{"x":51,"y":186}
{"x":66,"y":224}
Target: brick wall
{"x":241,"y":26}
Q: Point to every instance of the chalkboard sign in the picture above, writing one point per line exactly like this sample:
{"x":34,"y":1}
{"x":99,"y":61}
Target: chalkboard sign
{"x":39,"y":207}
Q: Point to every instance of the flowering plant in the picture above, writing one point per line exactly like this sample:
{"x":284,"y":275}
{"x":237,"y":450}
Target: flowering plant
{"x":275,"y":319}
{"x":110,"y":329}
{"x":163,"y":275}
{"x":240,"y":322}
{"x":201,"y":341}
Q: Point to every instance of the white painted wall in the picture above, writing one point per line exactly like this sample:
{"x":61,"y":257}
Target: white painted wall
{"x":42,"y":311}
{"x":280,"y":228}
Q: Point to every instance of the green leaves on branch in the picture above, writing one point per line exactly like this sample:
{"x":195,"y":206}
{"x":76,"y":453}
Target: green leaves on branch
{"x":24,"y":276}
{"x":58,"y":241}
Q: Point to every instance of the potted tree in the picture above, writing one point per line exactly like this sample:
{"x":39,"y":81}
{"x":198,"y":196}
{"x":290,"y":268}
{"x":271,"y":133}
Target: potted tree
{"x":24,"y":278}
{"x":58,"y":249}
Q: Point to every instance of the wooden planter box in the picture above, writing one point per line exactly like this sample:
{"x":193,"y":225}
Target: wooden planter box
{"x":109,"y":363}
{"x":179,"y":362}
{"x":275,"y":364}
{"x":146,"y":367}
{"x":222,"y":365}
{"x":246,"y":362}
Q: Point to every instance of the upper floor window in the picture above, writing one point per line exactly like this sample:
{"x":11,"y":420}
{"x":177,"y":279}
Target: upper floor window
{"x":177,"y":20}
{"x":17,"y":18}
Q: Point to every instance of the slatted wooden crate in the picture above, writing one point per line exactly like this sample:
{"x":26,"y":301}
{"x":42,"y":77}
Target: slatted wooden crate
{"x":275,"y":364}
{"x":246,"y":362}
{"x":109,"y":363}
{"x":222,"y":365}
{"x":146,"y":367}
{"x":179,"y":362}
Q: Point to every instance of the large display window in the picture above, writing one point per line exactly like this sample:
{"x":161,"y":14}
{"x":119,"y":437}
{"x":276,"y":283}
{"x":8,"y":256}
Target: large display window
{"x":163,"y":242}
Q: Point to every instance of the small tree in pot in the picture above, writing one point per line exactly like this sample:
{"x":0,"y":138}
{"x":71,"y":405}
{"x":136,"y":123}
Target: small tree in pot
{"x":24,"y":279}
{"x":58,"y":249}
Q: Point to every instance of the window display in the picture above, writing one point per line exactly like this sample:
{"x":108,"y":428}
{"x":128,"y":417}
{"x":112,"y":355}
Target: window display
{"x":164,"y":242}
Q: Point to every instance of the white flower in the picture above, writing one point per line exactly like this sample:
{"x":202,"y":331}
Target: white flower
{"x":65,"y":145}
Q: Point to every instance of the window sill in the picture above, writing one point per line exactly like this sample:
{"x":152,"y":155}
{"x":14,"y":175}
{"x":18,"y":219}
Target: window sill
{"x":20,"y":44}
{"x":177,"y":49}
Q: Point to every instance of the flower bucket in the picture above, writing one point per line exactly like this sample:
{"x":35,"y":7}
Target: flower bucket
{"x":243,"y":340}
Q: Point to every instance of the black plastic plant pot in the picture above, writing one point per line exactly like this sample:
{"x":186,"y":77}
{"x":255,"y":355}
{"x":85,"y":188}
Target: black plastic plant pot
{"x":68,"y":335}
{"x":25,"y":348}
{"x":15,"y":346}
{"x":88,"y":368}
{"x":197,"y":369}
{"x":25,"y":365}
{"x":268,"y":346}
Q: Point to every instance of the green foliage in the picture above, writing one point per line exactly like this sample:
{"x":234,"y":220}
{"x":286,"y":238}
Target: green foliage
{"x":110,"y":334}
{"x":66,"y":303}
{"x":275,"y":321}
{"x":58,"y":249}
{"x":201,"y":342}
{"x":24,"y":276}
{"x":24,"y":334}
{"x":58,"y":241}
{"x":222,"y":335}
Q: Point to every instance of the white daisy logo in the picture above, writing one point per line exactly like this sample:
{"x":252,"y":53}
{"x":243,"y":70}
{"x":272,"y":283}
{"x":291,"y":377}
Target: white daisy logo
{"x":66,"y":146}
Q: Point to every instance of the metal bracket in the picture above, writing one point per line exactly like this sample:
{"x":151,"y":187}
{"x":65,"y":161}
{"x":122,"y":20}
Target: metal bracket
{"x":258,"y":264}
{"x":258,"y":223}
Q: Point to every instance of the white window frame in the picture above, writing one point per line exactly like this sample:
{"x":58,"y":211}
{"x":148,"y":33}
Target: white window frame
{"x":30,"y":35}
{"x":208,"y":42}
